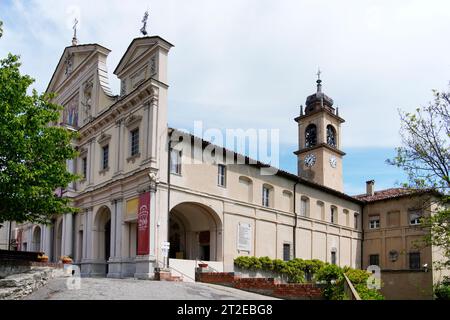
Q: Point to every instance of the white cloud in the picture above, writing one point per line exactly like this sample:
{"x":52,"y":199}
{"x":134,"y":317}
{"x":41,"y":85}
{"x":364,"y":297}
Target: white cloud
{"x":252,"y":63}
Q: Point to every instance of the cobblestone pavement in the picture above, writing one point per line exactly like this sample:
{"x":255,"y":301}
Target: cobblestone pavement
{"x":131,"y":289}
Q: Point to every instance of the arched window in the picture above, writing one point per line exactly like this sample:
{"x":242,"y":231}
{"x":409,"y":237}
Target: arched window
{"x":310,"y":136}
{"x":246,"y":188}
{"x":321,"y":206}
{"x":331,"y":136}
{"x":304,"y":207}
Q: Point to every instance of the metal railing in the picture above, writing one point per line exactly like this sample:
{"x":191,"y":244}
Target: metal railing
{"x":162,"y":264}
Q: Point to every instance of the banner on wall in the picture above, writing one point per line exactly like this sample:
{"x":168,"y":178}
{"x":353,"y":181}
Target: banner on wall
{"x":143,"y":218}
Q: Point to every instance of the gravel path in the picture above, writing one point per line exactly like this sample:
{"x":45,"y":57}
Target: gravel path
{"x":131,"y":289}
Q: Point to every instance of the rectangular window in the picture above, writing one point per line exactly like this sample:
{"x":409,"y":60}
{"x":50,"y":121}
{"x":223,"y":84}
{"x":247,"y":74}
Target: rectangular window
{"x":135,"y":142}
{"x":304,"y":207}
{"x":105,"y":157}
{"x":414,"y":217}
{"x":265,"y":197}
{"x":333,"y":257}
{"x":374,"y":222}
{"x":221,"y":175}
{"x":414,"y":260}
{"x":356,"y":216}
{"x":84,"y":167}
{"x":374,"y":260}
{"x":286,"y":251}
{"x":175,"y":161}
{"x":333,"y":215}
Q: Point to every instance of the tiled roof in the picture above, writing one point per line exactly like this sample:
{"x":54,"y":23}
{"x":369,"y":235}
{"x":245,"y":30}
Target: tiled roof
{"x":278,"y":171}
{"x":387,"y":194}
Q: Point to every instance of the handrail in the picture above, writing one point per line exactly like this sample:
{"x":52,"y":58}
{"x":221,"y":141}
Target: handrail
{"x":205,"y":262}
{"x":350,"y":290}
{"x":172,"y":268}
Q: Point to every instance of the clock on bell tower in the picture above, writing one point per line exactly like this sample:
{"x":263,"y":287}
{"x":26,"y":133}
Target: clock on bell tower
{"x":319,"y":140}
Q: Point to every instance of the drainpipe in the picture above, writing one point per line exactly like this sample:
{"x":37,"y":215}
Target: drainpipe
{"x":169,"y":146}
{"x":294,"y":233}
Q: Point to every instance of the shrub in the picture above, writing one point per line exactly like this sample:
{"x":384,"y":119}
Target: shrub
{"x":442,"y":290}
{"x":332,"y":275}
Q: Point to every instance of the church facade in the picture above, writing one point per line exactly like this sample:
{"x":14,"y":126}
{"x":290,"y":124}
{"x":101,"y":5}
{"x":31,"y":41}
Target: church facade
{"x":146,"y":186}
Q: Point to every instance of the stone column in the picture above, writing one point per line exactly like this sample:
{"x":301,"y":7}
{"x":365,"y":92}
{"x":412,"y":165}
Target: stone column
{"x":67,"y":235}
{"x":87,"y":242}
{"x":115,"y":261}
{"x":47,"y":240}
{"x":91,"y":161}
{"x":146,"y":131}
{"x":121,"y":151}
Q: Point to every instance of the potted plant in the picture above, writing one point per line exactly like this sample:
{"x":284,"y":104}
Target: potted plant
{"x":43,"y":258}
{"x":66,"y":260}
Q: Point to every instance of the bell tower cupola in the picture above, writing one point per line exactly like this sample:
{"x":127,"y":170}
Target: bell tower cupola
{"x":319,"y":140}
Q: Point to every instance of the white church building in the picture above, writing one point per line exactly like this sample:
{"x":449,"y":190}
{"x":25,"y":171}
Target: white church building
{"x":145,"y":184}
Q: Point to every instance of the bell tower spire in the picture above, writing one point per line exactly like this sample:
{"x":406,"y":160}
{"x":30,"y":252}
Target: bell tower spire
{"x":319,"y":126}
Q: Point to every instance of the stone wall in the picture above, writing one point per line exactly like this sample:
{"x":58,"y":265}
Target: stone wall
{"x":267,"y":286}
{"x":407,"y":285}
{"x":16,"y":286}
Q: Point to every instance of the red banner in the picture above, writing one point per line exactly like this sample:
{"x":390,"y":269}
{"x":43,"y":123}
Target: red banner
{"x":144,"y":224}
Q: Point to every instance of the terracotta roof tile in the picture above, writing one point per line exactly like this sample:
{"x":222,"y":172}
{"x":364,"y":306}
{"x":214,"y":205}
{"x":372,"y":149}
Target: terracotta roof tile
{"x":386,"y":194}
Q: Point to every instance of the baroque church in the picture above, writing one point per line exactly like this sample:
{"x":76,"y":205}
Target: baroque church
{"x":144,"y":189}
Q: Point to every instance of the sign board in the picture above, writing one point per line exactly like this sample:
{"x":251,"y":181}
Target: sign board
{"x":244,"y":242}
{"x":144,"y":224}
{"x":165,"y":245}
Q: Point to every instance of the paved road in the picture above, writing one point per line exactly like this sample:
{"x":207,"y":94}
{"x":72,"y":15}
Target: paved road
{"x":131,"y":289}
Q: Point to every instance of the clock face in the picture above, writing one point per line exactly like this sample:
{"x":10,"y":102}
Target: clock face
{"x":310,"y":160}
{"x":333,"y":162}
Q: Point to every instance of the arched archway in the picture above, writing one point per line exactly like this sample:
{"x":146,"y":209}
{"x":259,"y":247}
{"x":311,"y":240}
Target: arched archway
{"x":37,"y":239}
{"x":102,"y":237}
{"x":195,"y":232}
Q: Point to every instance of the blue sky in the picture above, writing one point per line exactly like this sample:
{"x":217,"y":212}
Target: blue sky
{"x":250,"y":64}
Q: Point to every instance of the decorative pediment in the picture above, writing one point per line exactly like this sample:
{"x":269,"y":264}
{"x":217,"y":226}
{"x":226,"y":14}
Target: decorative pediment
{"x":83,"y":151}
{"x":104,"y":138}
{"x":72,"y":60}
{"x":132,"y":120}
{"x":138,"y":50}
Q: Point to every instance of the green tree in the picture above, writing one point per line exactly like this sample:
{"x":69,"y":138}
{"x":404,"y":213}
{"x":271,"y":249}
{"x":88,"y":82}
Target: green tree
{"x":33,"y":152}
{"x":425,"y":157}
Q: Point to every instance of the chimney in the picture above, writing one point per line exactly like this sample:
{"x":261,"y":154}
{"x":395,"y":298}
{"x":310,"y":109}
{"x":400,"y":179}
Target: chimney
{"x":370,"y":187}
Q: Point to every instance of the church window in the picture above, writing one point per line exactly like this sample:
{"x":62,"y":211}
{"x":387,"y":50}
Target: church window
{"x":222,"y":172}
{"x":310,"y":136}
{"x":84,"y":167}
{"x":331,"y":136}
{"x":135,"y":142}
{"x":266,"y":196}
{"x":286,"y":251}
{"x":333,"y":217}
{"x":105,"y":157}
{"x":333,"y":257}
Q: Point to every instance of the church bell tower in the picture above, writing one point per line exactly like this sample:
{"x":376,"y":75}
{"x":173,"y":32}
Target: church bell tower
{"x":319,"y":141}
